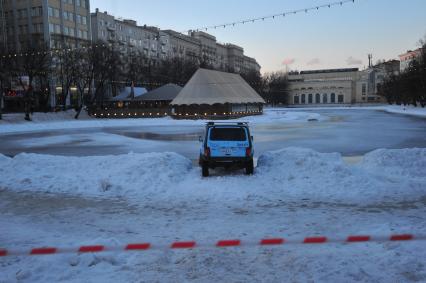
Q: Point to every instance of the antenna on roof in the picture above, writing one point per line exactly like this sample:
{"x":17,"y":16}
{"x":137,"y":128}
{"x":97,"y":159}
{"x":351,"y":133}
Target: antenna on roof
{"x":370,"y":60}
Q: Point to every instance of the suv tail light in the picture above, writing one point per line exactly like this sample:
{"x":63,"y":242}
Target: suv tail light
{"x":248,"y":151}
{"x":207,"y":151}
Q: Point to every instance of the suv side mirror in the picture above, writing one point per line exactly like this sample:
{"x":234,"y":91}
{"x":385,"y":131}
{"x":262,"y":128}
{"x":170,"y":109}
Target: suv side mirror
{"x":200,"y":139}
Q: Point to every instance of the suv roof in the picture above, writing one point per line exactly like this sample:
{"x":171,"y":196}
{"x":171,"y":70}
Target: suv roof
{"x":227,"y":123}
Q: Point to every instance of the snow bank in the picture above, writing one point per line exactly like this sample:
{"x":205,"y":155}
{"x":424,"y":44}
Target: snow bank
{"x":290,"y":173}
{"x":113,"y":176}
{"x":406,"y":110}
{"x":410,"y":163}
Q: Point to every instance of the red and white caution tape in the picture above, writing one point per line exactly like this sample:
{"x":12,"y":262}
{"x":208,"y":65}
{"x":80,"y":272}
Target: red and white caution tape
{"x":219,"y":244}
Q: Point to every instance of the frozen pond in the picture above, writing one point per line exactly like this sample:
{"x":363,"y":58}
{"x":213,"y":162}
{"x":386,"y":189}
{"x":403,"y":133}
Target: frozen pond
{"x":350,"y":132}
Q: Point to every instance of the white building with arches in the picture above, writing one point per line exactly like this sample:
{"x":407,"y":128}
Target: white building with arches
{"x":332,"y":86}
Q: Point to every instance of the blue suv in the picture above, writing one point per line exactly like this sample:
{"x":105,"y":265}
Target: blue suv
{"x":226,"y":145}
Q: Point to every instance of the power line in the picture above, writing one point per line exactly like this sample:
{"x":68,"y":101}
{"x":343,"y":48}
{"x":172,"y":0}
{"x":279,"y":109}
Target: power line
{"x":273,"y":17}
{"x":205,"y":28}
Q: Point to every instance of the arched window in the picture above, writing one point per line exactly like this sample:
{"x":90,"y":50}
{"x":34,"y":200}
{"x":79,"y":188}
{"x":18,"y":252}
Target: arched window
{"x":333,"y":98}
{"x":303,"y":98}
{"x":324,"y":98}
{"x":340,"y":98}
{"x":317,"y":98}
{"x":310,"y":98}
{"x":296,"y":99}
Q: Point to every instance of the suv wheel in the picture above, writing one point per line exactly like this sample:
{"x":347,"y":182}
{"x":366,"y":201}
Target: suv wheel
{"x":249,"y":167}
{"x":205,"y":170}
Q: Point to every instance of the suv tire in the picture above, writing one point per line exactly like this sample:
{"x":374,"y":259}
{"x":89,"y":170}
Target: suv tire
{"x":250,"y":167}
{"x":205,"y":170}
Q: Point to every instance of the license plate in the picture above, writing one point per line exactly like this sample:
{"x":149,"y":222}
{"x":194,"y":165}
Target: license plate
{"x":227,"y":150}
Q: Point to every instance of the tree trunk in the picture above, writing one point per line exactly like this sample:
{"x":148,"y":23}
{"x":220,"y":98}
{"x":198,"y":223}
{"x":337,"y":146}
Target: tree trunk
{"x":80,"y":103}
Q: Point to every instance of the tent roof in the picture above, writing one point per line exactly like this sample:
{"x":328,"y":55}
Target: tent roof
{"x":125,"y":94}
{"x":165,"y":92}
{"x":212,"y":87}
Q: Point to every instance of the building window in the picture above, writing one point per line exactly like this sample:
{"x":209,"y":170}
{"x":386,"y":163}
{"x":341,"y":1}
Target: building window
{"x":303,"y":99}
{"x":50,"y":11}
{"x":364,"y":89}
{"x":22,"y":13}
{"x":84,"y":20}
{"x":296,"y":99}
{"x":317,"y":98}
{"x":310,"y":98}
{"x":324,"y":98}
{"x":333,"y":98}
{"x":340,"y":98}
{"x":57,"y":29}
{"x":36,"y":11}
{"x":78,"y":19}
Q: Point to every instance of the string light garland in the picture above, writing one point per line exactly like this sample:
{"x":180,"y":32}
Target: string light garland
{"x":206,"y":28}
{"x":274,"y":16}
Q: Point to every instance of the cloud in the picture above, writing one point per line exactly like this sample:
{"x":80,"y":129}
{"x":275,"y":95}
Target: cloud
{"x":353,"y":61}
{"x":313,"y":61}
{"x":288,"y":61}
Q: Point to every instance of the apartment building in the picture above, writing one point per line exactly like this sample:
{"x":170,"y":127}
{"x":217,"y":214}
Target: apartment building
{"x":57,"y":23}
{"x":225,"y":57}
{"x":157,"y":44}
{"x":128,"y":36}
{"x":409,"y":57}
{"x":181,"y":46}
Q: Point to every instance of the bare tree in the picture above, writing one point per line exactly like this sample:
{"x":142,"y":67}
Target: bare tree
{"x":409,"y":87}
{"x":32,"y":63}
{"x":67,"y":62}
{"x":135,"y":67}
{"x":105,"y":63}
{"x":5,"y":74}
{"x":276,"y":88}
{"x":83,"y":76}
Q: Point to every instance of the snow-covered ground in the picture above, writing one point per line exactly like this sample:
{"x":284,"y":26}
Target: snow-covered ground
{"x":396,"y":109}
{"x":407,"y":110}
{"x":14,"y":123}
{"x":160,"y":197}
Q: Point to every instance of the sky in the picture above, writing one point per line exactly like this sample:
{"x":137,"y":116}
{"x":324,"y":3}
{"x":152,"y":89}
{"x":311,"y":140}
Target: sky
{"x":338,"y":37}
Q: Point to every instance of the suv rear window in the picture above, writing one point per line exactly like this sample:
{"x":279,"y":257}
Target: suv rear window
{"x":227,"y":134}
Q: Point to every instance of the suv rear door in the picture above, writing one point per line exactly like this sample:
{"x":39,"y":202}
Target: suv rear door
{"x":228,"y":141}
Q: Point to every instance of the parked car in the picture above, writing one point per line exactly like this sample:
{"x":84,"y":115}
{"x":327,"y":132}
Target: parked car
{"x":226,"y":145}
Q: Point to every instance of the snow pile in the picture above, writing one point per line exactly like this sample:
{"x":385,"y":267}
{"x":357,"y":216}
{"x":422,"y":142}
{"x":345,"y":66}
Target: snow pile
{"x":409,"y":163}
{"x":168,"y":177}
{"x":113,"y":176}
{"x":294,"y":192}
